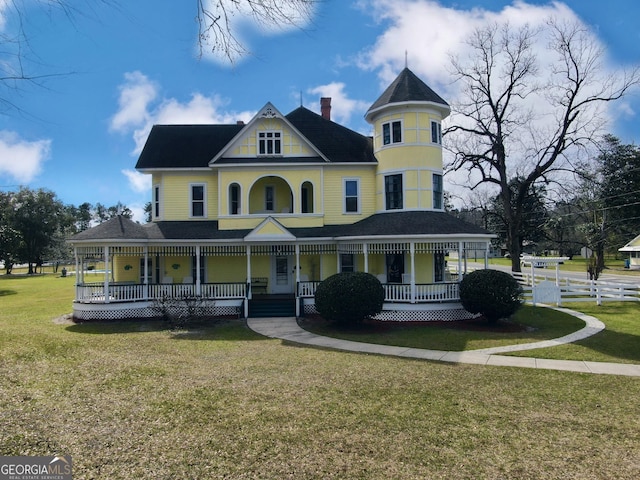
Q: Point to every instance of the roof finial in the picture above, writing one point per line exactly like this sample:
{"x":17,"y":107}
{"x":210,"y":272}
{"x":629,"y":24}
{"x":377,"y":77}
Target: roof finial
{"x":301,"y":99}
{"x":406,"y":59}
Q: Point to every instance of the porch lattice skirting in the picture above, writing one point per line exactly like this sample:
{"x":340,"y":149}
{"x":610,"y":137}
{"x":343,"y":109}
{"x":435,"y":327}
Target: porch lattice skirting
{"x":129,"y":311}
{"x":443,"y":313}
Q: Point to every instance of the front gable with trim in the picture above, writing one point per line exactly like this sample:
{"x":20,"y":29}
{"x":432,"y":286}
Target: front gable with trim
{"x":257,"y":141}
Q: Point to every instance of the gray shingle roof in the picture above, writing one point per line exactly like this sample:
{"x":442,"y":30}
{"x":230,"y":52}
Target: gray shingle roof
{"x":407,"y":87}
{"x":194,"y":146}
{"x":414,"y":223}
{"x":184,"y":146}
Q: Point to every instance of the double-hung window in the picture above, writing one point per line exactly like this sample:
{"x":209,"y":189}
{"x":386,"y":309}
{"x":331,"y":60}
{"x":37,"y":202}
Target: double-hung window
{"x":197,"y":200}
{"x":269,"y":198}
{"x":437,"y":191}
{"x":234,"y":199}
{"x":391,"y":132}
{"x":436,"y":132}
{"x":347,"y":262}
{"x":156,"y":201}
{"x":393,"y":191}
{"x":351,"y":195}
{"x":270,"y":143}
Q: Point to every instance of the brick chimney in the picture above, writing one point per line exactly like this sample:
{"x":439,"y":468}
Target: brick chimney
{"x":325,"y":108}
{"x":240,"y":122}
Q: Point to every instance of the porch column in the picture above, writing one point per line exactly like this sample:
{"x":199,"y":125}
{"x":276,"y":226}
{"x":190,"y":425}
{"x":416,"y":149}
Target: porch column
{"x":365,"y":251}
{"x":460,"y":261}
{"x":486,"y":255}
{"x":412,"y":250}
{"x":464,"y":248}
{"x":248,"y":272}
{"x":198,"y":279}
{"x":78,"y":281}
{"x":106,"y":274}
{"x":297,"y":247}
{"x":146,"y":273}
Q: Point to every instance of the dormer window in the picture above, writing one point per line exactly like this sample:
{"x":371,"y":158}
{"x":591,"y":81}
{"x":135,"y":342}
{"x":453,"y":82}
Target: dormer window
{"x":391,"y":132}
{"x":270,"y":143}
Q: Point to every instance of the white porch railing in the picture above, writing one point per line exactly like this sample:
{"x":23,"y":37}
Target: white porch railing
{"x":423,"y":293}
{"x":94,"y":292}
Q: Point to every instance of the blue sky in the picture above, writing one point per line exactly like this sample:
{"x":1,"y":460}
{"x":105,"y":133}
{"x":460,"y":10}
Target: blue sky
{"x":115,"y":71}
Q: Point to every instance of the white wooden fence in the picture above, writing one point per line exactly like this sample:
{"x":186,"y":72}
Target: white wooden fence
{"x":539,"y":289}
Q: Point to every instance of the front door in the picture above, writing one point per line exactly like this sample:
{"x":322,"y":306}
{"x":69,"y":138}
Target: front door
{"x":281,"y":276}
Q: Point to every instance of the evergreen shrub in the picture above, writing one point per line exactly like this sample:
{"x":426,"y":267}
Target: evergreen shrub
{"x":349,"y":297}
{"x":491,"y":293}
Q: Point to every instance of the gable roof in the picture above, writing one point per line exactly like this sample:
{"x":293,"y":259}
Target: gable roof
{"x":194,"y":146}
{"x":407,"y":87}
{"x":184,"y":146}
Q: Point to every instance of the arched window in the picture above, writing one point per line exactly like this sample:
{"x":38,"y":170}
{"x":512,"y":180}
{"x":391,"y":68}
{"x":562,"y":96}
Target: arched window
{"x":306,"y":197}
{"x":235,"y":208}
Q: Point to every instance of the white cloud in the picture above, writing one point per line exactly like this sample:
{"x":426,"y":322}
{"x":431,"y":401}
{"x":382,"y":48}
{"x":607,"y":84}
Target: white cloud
{"x":20,"y":159}
{"x":268,"y":17}
{"x":430,"y":34}
{"x":4,"y":6}
{"x":342,"y":107}
{"x":139,"y":108}
{"x":135,"y":96}
{"x":138,"y":182}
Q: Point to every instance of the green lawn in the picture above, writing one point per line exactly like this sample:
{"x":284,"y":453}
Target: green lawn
{"x":132,"y":400}
{"x":538,"y":324}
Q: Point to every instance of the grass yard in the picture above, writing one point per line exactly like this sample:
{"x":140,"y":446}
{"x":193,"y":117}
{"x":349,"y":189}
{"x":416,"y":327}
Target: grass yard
{"x":132,"y":400}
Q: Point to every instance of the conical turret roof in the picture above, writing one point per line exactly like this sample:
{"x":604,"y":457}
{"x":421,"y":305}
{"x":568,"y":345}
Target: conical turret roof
{"x":407,"y":87}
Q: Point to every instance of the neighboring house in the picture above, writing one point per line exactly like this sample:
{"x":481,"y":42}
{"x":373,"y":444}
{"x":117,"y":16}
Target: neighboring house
{"x":274,"y":206}
{"x":633,"y":247}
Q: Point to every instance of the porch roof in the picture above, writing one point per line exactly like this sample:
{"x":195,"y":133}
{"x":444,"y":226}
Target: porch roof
{"x":396,"y":224}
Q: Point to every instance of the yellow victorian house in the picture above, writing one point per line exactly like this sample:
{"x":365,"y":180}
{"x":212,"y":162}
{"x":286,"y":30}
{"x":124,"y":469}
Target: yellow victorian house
{"x":251,"y":217}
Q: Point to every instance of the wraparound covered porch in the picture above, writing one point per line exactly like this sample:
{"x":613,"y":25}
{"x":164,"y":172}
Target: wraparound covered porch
{"x":415,"y":274}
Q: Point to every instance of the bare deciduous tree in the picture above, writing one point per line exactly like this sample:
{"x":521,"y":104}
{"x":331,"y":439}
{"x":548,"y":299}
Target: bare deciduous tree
{"x":217,"y":30}
{"x":527,"y":112}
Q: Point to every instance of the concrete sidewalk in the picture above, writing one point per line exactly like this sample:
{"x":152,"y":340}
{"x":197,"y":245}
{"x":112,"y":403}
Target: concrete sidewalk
{"x":287,"y":328}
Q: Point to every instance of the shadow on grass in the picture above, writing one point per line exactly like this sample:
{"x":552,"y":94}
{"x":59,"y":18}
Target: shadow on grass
{"x":224,"y":329}
{"x":616,"y":344}
{"x":4,"y":293}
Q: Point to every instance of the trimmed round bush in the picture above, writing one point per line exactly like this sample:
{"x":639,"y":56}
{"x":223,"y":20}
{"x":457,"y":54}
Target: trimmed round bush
{"x":491,"y":293}
{"x":349,"y":297}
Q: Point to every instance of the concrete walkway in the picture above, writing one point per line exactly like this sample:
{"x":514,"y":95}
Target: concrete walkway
{"x":287,"y":328}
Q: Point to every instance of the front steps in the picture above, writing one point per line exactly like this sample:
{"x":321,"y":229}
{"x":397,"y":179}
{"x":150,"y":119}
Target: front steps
{"x":272,"y":306}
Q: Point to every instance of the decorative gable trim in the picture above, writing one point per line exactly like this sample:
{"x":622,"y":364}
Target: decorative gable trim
{"x":269,"y":230}
{"x":268,"y":112}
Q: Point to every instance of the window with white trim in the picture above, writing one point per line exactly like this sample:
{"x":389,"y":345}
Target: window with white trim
{"x":234,"y":199}
{"x":156,"y":201}
{"x":269,"y":198}
{"x":270,"y":143}
{"x":351,"y":195}
{"x":436,"y":132}
{"x":438,"y":193}
{"x":393,"y":191}
{"x":392,"y":132}
{"x":198,"y":200}
{"x":347,"y":262}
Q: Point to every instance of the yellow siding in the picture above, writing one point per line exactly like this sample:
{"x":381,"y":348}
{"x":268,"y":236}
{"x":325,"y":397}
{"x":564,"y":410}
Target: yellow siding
{"x":226,"y":269}
{"x":247,"y":144}
{"x":126,"y":269}
{"x":177,"y":268}
{"x":176,"y":195}
{"x":334,"y":194}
